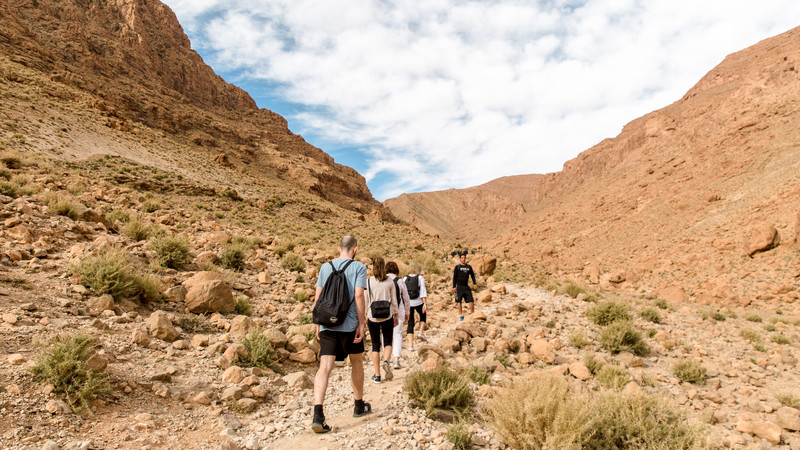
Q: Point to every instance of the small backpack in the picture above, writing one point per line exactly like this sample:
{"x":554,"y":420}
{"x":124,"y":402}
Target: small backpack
{"x":334,"y":300}
{"x":397,"y":291}
{"x":412,"y":284}
{"x":380,"y":309}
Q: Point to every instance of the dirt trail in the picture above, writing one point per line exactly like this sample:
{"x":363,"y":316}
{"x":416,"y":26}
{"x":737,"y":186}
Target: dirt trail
{"x":386,"y":398}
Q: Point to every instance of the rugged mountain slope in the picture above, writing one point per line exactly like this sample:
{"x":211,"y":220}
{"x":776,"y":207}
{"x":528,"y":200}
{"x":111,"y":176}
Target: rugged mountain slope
{"x":675,"y":199}
{"x":136,"y":63}
{"x":468,"y":215}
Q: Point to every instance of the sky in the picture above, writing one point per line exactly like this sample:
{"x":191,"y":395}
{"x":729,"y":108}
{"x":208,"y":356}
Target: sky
{"x":439,"y":94}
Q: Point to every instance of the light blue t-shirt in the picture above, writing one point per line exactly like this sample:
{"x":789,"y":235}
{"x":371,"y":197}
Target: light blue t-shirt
{"x":356,"y":274}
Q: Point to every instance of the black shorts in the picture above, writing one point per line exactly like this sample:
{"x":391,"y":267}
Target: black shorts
{"x":465,"y":293}
{"x":339,"y":344}
{"x":378,"y":329}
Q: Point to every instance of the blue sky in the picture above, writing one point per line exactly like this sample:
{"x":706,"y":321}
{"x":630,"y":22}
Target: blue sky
{"x":421,"y":96}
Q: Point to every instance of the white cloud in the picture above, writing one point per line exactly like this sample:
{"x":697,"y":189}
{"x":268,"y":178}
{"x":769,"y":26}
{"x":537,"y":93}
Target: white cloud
{"x":461,"y":92}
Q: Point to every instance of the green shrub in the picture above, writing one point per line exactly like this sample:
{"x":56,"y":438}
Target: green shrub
{"x":259,"y":352}
{"x":651,"y":314}
{"x":661,"y":303}
{"x":439,"y":388}
{"x":572,"y":289}
{"x":171,"y":251}
{"x":538,"y":412}
{"x":301,"y":297}
{"x":479,"y":375}
{"x":780,"y":338}
{"x":233,"y":256}
{"x":63,"y":365}
{"x":788,"y":399}
{"x":689,"y":371}
{"x":9,"y":189}
{"x":283,"y":249}
{"x":241,"y":306}
{"x":613,"y":377}
{"x":62,"y":206}
{"x":770,"y":328}
{"x":459,"y":435}
{"x":578,"y":339}
{"x":593,"y":363}
{"x":138,"y":230}
{"x":605,"y":313}
{"x":149,"y":287}
{"x":293,"y":262}
{"x":620,"y":337}
{"x":118,"y":216}
{"x":757,"y":346}
{"x":640,"y":421}
{"x":108,"y":274}
{"x":750,"y":335}
{"x":304,"y":319}
{"x":149,"y":207}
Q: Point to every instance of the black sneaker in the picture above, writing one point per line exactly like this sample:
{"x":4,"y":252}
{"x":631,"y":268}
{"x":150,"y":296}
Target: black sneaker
{"x":364,"y":410}
{"x":376,"y":379}
{"x":319,"y":425}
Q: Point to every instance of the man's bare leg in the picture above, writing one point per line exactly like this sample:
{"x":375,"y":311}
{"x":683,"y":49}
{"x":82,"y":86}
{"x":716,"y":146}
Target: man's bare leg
{"x":357,"y":375}
{"x":321,"y":378}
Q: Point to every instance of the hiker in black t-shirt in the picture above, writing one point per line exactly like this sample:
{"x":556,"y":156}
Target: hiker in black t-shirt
{"x":461,"y":275}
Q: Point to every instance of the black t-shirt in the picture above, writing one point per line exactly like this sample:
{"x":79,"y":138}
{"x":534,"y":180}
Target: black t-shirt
{"x":461,"y":275}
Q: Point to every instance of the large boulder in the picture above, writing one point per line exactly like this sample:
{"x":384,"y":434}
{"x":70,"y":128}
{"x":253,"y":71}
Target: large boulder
{"x":484,"y":264}
{"x":763,"y":238}
{"x":207,"y":292}
{"x":241,"y":326}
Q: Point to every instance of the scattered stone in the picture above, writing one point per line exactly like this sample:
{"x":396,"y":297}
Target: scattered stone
{"x":788,"y":418}
{"x":161,"y":327}
{"x":543,"y":350}
{"x":207,"y":292}
{"x":580,"y":371}
{"x":234,"y":374}
{"x":16,"y":359}
{"x":99,"y":304}
{"x":140,"y":337}
{"x":57,"y":407}
{"x":764,"y":237}
{"x":769,"y":431}
{"x":241,"y":326}
{"x":304,"y":356}
{"x":298,"y":380}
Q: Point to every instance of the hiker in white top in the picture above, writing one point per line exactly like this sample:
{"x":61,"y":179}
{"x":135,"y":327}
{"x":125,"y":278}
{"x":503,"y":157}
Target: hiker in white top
{"x":404,"y":307}
{"x":382,"y":316}
{"x":415,"y":285}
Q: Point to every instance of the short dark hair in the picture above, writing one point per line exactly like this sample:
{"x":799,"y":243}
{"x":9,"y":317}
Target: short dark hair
{"x":348,"y":243}
{"x":391,"y":267}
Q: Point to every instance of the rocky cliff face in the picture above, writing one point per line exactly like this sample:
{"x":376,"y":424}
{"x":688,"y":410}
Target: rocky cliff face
{"x":133,"y":56}
{"x":683,"y":195}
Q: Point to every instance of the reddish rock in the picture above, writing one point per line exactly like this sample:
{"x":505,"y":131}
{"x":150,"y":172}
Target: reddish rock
{"x":207,"y":292}
{"x":764,"y":237}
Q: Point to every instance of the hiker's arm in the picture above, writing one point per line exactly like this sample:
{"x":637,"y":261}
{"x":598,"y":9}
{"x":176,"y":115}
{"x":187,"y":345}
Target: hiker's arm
{"x":472,"y":274}
{"x":316,"y":297}
{"x":455,"y":275}
{"x":361,"y":310}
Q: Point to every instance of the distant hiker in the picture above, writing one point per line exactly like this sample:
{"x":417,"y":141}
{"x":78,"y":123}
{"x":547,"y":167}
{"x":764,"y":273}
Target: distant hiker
{"x":382,"y":317}
{"x":415,"y":285}
{"x":404,"y":308}
{"x":346,"y":338}
{"x":461,"y":274}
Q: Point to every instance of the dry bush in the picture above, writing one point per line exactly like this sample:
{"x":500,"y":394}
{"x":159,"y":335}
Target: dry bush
{"x":621,"y":337}
{"x":572,"y":289}
{"x":608,"y":312}
{"x":689,"y":371}
{"x":63,"y":365}
{"x":172,"y":251}
{"x":109,"y":274}
{"x":650,"y":314}
{"x":233,"y":256}
{"x":538,"y":412}
{"x":138,"y":230}
{"x":439,"y":388}
{"x":293,"y":262}
{"x":613,"y":377}
{"x":259,"y":352}
{"x":241,"y":306}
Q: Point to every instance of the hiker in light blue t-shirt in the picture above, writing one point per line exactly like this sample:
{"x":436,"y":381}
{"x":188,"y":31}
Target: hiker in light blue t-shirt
{"x":347,"y":339}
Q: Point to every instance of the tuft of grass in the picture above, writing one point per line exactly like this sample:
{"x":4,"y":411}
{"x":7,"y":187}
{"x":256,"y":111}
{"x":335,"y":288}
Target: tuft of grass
{"x":62,"y":206}
{"x":539,"y":412}
{"x":429,"y":263}
{"x":661,"y":303}
{"x":759,"y":347}
{"x":150,"y":207}
{"x":689,"y":371}
{"x":578,"y":339}
{"x":301,"y":297}
{"x":259,"y":352}
{"x":750,"y":335}
{"x":9,"y":189}
{"x":193,"y":323}
{"x":770,"y":328}
{"x":171,"y":251}
{"x":459,"y":435}
{"x":293,"y":262}
{"x":439,"y":388}
{"x":572,"y":289}
{"x":607,"y":312}
{"x":233,"y":256}
{"x":478,"y":375}
{"x":780,"y":339}
{"x":136,"y":229}
{"x":788,"y":399}
{"x":118,"y":216}
{"x":150,"y":287}
{"x":613,"y":377}
{"x":283,"y":249}
{"x":63,"y":365}
{"x":650,"y":314}
{"x":304,"y":320}
{"x":621,"y":336}
{"x":241,"y":306}
{"x":593,"y":363}
{"x":640,"y":421}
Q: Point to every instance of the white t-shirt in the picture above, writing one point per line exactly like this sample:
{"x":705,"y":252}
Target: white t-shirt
{"x":423,"y":293}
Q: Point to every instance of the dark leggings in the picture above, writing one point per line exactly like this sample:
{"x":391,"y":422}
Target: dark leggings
{"x":376,"y":329}
{"x":422,"y":317}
